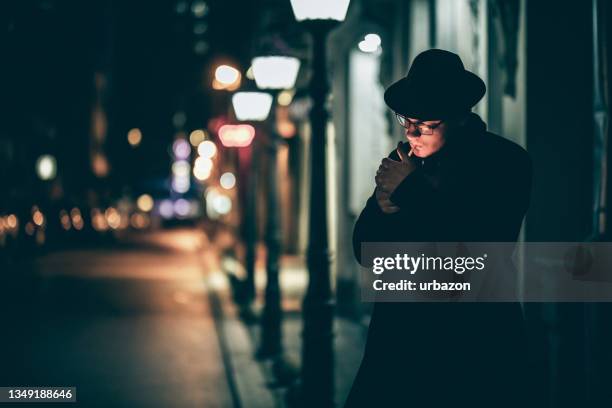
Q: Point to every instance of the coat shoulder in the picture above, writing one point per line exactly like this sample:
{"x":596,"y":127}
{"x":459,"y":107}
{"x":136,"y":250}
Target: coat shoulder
{"x":504,"y":151}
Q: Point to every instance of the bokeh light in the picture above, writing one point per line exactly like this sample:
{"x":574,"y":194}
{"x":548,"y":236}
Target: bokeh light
{"x":236,"y":135}
{"x":182,"y":207}
{"x":181,"y":149}
{"x":166,"y":209}
{"x":203,"y":163}
{"x":373,"y":38}
{"x":46,"y":167}
{"x":38,"y":217}
{"x":65,"y":220}
{"x":134,"y":137}
{"x":197,"y":136}
{"x":113,"y":218}
{"x":217,"y":204}
{"x":222,"y":204}
{"x":181,"y":184}
{"x":139,"y":221}
{"x":181,"y":168}
{"x":371,"y":43}
{"x":285,"y":97}
{"x":145,"y":203}
{"x":226,"y":75}
{"x":202,"y":168}
{"x":98,"y":221}
{"x":199,"y":8}
{"x":12,"y":221}
{"x":100,"y":165}
{"x":207,"y":149}
{"x":227,"y":180}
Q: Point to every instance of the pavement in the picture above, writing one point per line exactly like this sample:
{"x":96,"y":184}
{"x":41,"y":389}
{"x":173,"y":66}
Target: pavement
{"x":349,"y":336}
{"x":149,"y":322}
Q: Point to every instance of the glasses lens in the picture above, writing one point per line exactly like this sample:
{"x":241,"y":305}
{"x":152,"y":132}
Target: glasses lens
{"x":422,"y":129}
{"x":402,"y":120}
{"x":425,"y":130}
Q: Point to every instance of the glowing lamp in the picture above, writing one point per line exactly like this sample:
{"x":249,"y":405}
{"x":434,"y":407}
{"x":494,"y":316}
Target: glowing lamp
{"x":46,"y":167}
{"x":371,"y":43}
{"x":236,"y":135}
{"x":252,"y":105}
{"x":275,"y":72}
{"x":226,"y":77}
{"x":320,"y":9}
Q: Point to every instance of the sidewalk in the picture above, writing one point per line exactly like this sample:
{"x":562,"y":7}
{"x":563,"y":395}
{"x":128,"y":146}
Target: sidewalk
{"x":253,"y":380}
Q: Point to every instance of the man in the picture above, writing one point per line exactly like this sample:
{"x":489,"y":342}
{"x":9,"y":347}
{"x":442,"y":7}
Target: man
{"x":452,"y":182}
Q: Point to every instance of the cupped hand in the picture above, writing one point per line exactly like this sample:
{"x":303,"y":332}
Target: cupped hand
{"x":392,"y":172}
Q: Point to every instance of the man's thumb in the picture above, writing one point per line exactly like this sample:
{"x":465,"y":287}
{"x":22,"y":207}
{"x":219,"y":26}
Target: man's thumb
{"x":402,"y":155}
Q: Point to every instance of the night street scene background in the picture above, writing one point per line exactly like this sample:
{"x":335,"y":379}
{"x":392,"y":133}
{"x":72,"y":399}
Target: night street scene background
{"x":179,"y":180}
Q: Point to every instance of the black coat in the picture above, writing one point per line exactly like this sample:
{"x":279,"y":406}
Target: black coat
{"x":475,"y":189}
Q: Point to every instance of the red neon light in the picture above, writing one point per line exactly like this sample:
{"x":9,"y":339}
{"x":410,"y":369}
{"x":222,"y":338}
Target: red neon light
{"x":236,"y":135}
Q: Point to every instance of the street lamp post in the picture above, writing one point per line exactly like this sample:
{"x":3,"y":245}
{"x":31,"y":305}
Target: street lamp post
{"x":253,"y":107}
{"x":274,"y":73}
{"x":317,"y":375}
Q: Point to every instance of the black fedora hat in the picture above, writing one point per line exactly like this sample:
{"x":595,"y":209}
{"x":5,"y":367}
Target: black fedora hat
{"x":437,"y":87}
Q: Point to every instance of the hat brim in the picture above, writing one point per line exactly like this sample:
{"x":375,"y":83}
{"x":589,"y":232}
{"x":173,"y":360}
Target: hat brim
{"x":426,"y":102}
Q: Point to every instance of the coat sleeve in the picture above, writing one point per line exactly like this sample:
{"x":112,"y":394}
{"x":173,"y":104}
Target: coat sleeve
{"x":485,"y":204}
{"x":373,"y":225}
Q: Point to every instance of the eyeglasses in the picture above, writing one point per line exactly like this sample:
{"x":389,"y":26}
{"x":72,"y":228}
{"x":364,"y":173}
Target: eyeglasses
{"x":422,"y":128}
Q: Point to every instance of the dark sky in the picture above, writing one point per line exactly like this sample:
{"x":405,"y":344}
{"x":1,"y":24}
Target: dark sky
{"x":145,"y":51}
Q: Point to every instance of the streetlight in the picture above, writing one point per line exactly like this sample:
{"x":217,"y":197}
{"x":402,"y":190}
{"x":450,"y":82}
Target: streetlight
{"x":317,"y":375}
{"x":275,"y":73}
{"x":253,"y":106}
{"x":317,"y":10}
{"x":248,"y":106}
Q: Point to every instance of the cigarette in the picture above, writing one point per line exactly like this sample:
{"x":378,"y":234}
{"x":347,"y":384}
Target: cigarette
{"x":410,"y":152}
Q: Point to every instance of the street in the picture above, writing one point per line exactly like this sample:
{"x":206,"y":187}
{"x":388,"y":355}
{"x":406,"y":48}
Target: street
{"x":129,"y":326}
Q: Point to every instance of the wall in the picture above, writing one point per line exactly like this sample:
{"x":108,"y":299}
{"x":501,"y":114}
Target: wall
{"x":559,"y":120}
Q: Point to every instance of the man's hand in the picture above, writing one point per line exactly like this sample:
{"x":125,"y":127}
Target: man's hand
{"x":391,"y":173}
{"x":384,"y":202}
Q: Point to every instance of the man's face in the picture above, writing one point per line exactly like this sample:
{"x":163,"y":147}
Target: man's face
{"x":424,"y":145}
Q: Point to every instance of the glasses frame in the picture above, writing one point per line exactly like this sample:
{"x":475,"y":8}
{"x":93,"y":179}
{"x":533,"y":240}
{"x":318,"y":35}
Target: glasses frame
{"x":422,"y":128}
